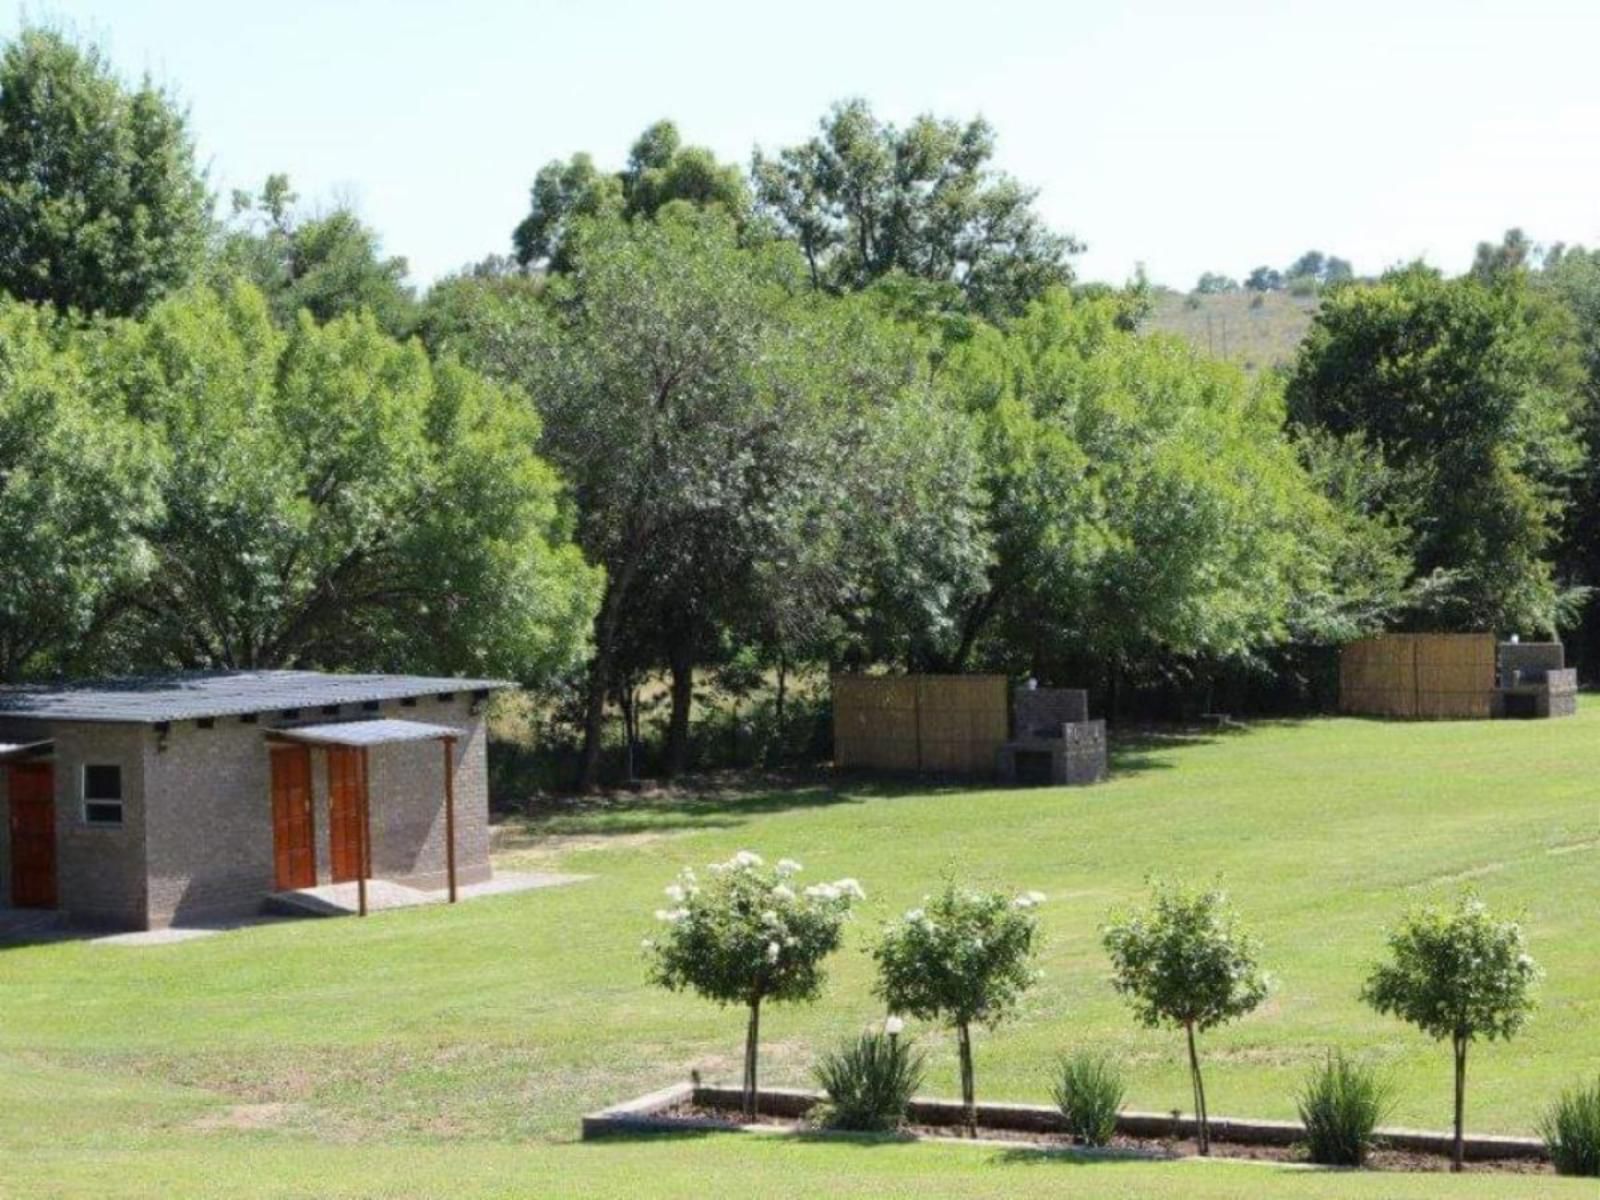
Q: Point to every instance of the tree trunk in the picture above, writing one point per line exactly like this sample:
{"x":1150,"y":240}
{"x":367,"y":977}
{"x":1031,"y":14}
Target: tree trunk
{"x":751,"y":1043}
{"x":1199,"y":1093}
{"x":969,"y":1101}
{"x":606,"y":624}
{"x":783,"y":688}
{"x":1458,"y":1148}
{"x":681,"y":659}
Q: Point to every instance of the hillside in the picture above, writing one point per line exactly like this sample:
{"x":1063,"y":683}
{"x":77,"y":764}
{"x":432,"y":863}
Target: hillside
{"x":1233,"y":326}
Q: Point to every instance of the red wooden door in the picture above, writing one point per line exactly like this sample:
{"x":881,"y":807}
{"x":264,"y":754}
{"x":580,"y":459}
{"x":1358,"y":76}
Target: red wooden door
{"x":33,"y":835}
{"x":346,"y":790}
{"x":293,"y":842}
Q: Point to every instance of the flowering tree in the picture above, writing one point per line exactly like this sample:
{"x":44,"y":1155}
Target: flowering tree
{"x":1457,"y":973}
{"x":965,"y":957}
{"x":744,"y":935}
{"x":1185,"y":962}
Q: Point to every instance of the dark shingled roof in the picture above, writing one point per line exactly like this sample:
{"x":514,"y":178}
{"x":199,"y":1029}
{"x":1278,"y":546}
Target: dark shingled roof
{"x":149,"y":699}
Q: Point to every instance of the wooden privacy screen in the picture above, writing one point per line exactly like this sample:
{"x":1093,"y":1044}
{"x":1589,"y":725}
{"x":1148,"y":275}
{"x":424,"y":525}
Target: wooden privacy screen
{"x":952,"y":724}
{"x":1435,"y":675}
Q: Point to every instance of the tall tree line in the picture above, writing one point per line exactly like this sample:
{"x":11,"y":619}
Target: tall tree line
{"x":845,"y":405}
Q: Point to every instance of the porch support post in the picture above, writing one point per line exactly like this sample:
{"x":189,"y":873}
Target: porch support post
{"x":450,"y":813}
{"x":366,"y":839}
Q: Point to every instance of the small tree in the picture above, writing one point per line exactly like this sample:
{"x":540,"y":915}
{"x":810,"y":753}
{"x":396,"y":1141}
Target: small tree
{"x":1184,"y":962}
{"x":1457,"y":973}
{"x":745,"y":935}
{"x":963,"y":958}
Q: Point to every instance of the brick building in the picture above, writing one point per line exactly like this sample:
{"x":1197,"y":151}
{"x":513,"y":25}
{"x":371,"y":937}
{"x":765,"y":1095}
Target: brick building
{"x":138,"y":803}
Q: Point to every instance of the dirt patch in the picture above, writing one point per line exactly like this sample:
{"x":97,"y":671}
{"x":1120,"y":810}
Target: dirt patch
{"x":1382,"y":1159}
{"x":245,"y":1117}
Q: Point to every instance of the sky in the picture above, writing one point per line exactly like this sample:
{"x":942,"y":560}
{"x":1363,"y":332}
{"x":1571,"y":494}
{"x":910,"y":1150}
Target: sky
{"x":1185,"y":136}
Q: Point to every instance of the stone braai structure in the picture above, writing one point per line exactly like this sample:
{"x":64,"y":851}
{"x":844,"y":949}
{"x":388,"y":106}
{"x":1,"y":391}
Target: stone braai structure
{"x":1053,"y":741}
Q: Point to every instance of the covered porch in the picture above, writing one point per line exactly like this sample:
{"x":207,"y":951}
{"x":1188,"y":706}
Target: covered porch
{"x":346,"y":749}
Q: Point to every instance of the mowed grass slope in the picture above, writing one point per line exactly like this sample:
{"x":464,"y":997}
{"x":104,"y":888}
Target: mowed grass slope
{"x":439,"y":1050}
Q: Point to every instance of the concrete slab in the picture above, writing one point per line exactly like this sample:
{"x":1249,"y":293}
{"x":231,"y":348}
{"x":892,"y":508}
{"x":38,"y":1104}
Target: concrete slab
{"x":342,"y":899}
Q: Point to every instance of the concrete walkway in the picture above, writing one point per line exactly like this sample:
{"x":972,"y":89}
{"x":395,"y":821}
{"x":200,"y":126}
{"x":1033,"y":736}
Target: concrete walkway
{"x":337,"y":900}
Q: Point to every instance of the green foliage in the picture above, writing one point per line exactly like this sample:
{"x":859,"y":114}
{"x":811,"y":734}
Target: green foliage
{"x":330,"y":498}
{"x":1123,"y":466}
{"x":76,"y":497}
{"x":1088,"y":1090}
{"x":328,"y":265}
{"x":1213,"y":284}
{"x":101,"y":208}
{"x":1341,"y":1103}
{"x":1470,"y":392}
{"x":1459,"y":973}
{"x":660,"y":171}
{"x":1571,"y":1131}
{"x":870,"y":1081}
{"x":1184,"y":962}
{"x":744,"y":935}
{"x":864,"y":199}
{"x":965,"y":957}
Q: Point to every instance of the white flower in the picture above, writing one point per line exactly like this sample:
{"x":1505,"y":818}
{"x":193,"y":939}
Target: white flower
{"x":851,"y":888}
{"x":674,"y":892}
{"x":773,"y":950}
{"x":893,"y":1026}
{"x":671,"y":916}
{"x":783,"y":892}
{"x":770,"y":918}
{"x":788,"y":866}
{"x":823,"y":891}
{"x":647,"y":944}
{"x":915,"y":916}
{"x":1036,"y":897}
{"x":747,"y":859}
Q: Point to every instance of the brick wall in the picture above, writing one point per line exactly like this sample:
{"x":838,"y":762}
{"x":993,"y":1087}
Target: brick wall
{"x":100,"y":870}
{"x":210,"y":833}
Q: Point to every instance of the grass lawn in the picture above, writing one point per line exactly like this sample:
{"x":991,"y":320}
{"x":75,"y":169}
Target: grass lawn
{"x":439,"y":1051}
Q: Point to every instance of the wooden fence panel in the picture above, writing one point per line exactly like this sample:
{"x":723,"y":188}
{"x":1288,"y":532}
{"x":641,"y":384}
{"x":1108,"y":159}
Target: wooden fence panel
{"x":1437,"y":676}
{"x":950,"y":724}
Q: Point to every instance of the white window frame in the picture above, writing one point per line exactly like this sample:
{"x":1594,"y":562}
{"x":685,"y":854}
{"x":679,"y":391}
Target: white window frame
{"x":85,"y":800}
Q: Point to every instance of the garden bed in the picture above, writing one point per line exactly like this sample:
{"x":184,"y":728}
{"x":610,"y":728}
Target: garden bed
{"x":688,"y":1107}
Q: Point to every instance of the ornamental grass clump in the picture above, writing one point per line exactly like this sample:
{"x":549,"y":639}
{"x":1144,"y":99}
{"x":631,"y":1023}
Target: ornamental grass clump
{"x":1088,"y":1090}
{"x":870,"y":1081}
{"x":746,"y":934}
{"x":1185,"y":963}
{"x":965,"y":958}
{"x":1341,"y":1105}
{"x":1459,"y":973}
{"x":1571,"y":1131}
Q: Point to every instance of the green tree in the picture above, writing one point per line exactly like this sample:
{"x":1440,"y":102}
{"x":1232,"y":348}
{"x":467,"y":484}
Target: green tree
{"x":1469,"y":392}
{"x":101,"y":208}
{"x":76,"y":494}
{"x":332,"y":499}
{"x":1213,"y":284}
{"x":966,"y":958}
{"x":660,"y":170}
{"x":1264,"y":279}
{"x":328,"y":265}
{"x":864,"y":199}
{"x":1185,"y":962}
{"x":1145,"y":503}
{"x":1459,"y":973}
{"x":743,"y":935}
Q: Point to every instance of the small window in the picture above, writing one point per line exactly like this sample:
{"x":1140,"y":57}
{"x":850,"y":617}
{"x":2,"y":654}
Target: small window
{"x":102,"y":794}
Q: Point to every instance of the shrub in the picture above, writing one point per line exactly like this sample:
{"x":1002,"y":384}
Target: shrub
{"x":1185,"y":963}
{"x":965,"y":958}
{"x":1571,"y":1131}
{"x":1457,"y":973}
{"x":1088,"y":1091}
{"x":744,"y":935}
{"x":869,"y":1080}
{"x":1341,"y":1104}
